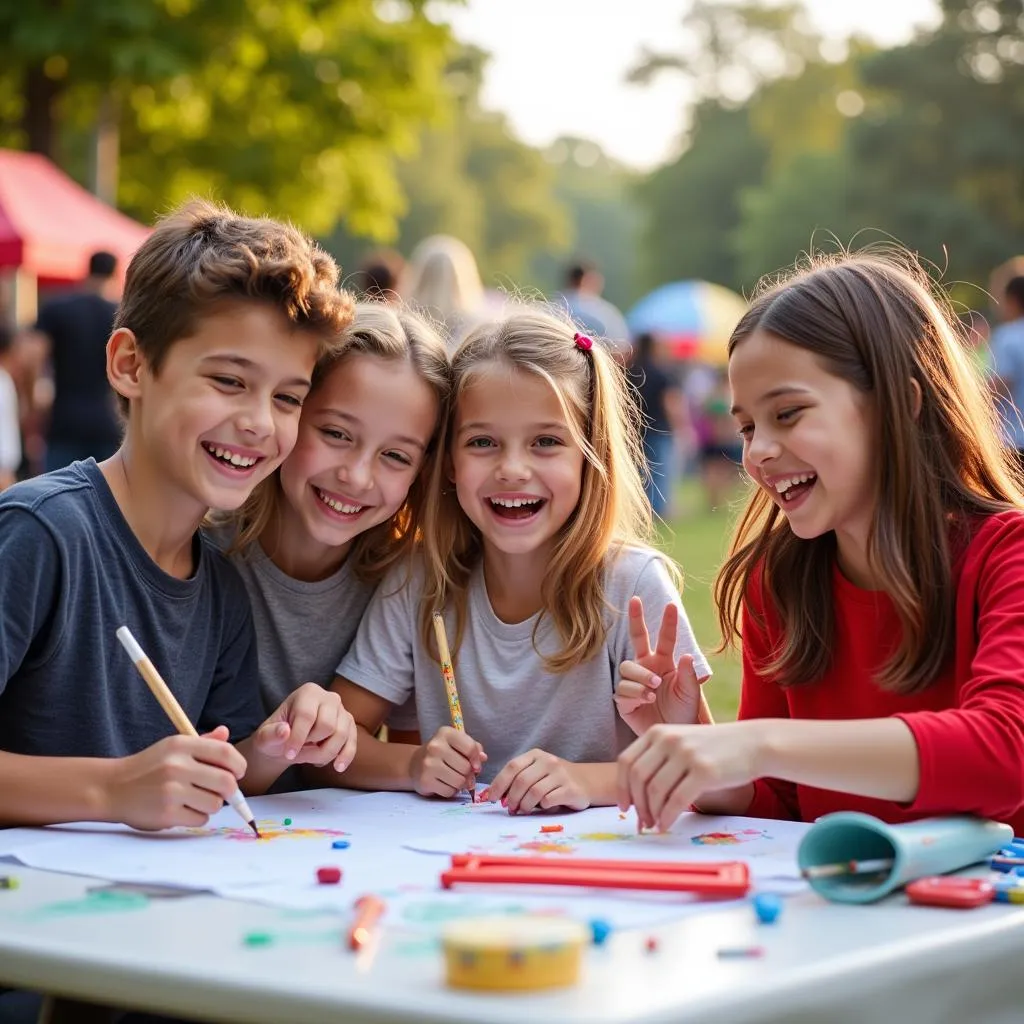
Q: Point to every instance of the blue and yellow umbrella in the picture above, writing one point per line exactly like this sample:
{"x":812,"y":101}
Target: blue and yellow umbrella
{"x":693,"y":318}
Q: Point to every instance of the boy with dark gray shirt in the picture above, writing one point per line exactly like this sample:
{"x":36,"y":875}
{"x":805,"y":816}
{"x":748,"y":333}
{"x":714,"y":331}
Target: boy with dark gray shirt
{"x":222,"y":320}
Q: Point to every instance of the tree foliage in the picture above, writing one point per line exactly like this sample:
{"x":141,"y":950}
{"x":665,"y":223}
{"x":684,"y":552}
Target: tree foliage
{"x":921,"y":143}
{"x":298,"y":107}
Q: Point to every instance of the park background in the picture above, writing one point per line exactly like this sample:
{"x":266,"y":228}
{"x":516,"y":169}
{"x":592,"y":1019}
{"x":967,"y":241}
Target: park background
{"x":664,"y":140}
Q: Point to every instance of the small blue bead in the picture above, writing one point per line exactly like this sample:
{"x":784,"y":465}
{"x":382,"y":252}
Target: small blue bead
{"x":767,"y":906}
{"x":340,"y":844}
{"x":599,"y":930}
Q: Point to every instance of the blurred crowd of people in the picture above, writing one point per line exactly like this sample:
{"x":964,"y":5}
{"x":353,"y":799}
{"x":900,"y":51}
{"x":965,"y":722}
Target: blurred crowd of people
{"x":56,"y":405}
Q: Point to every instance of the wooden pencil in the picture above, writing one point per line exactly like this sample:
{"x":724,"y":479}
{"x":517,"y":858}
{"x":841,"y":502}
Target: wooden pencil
{"x":448,"y":674}
{"x":174,"y":711}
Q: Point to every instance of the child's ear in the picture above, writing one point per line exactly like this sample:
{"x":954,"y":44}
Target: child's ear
{"x":918,"y":396}
{"x":125,"y":363}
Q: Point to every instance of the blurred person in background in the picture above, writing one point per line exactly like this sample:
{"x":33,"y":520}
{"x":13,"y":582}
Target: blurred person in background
{"x":666,"y":427}
{"x":581,"y":295}
{"x":10,"y":419}
{"x":1007,"y":352}
{"x":721,"y":447}
{"x":379,"y":276}
{"x":75,"y":328}
{"x":442,"y":281}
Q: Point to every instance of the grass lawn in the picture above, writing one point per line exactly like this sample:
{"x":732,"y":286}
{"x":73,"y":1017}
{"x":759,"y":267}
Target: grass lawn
{"x":698,"y":539}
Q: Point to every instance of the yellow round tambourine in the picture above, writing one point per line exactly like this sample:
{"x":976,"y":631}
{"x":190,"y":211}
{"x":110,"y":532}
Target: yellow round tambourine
{"x":507,"y":953}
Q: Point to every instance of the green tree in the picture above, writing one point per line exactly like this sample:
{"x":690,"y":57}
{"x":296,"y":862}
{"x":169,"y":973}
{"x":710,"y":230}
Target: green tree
{"x":940,"y":147}
{"x":298,"y":107}
{"x":693,"y":205}
{"x":472,"y":178}
{"x":599,"y":197}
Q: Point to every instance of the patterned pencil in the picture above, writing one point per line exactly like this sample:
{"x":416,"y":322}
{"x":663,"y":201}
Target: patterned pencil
{"x":448,"y":674}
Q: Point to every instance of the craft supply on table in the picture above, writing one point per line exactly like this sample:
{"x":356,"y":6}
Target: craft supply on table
{"x":917,"y":849}
{"x":328,"y":875}
{"x":951,"y":891}
{"x":721,"y":880}
{"x":1009,"y":890}
{"x":767,"y":907}
{"x":508,"y":953}
{"x":367,"y":912}
{"x":8,"y":882}
{"x":741,"y":952}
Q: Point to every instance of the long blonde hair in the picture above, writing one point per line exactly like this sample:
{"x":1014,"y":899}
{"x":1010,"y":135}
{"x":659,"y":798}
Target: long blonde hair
{"x":612,"y":511}
{"x":390,"y":333}
{"x":877,"y":323}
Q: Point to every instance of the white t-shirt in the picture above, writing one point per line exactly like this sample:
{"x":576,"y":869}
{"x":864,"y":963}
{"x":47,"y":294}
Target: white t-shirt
{"x":510,"y":702}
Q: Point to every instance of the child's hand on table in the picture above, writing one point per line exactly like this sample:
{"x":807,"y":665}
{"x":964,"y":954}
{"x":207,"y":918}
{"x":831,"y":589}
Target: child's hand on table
{"x":667,"y":769}
{"x":449,"y":762}
{"x":538,"y":781}
{"x":181,"y":780}
{"x":653,"y":689}
{"x":310,"y":727}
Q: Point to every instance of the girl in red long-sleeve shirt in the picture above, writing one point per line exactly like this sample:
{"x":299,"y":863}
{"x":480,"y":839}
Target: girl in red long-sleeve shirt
{"x":876,"y":577}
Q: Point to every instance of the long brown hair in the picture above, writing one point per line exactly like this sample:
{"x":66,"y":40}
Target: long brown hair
{"x":612,"y":510}
{"x":392,"y":333}
{"x":877,"y":322}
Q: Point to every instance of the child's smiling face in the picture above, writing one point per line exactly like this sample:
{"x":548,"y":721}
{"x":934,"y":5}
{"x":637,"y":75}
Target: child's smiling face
{"x":808,"y":439}
{"x":362,"y":439}
{"x":518,"y":470}
{"x":223,"y":410}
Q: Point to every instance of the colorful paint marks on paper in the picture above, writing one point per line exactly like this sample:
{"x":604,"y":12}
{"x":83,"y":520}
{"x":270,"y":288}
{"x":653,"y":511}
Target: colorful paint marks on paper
{"x":269,"y":830}
{"x":742,"y":835}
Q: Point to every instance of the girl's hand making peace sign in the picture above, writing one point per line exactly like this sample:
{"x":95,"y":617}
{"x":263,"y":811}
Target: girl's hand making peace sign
{"x":653,"y":689}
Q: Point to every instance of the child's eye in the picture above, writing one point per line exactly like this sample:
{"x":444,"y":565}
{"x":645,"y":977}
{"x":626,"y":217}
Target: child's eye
{"x":227,"y":382}
{"x":548,"y":442}
{"x":746,"y":430}
{"x":787,"y":414}
{"x":293,"y":400}
{"x":334,"y":434}
{"x":479,"y":442}
{"x":399,"y":457}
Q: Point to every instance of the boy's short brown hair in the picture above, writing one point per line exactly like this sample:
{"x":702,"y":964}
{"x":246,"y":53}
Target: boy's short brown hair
{"x":202,"y":254}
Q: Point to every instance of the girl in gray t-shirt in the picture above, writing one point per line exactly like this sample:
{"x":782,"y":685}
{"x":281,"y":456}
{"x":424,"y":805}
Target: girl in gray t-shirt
{"x":535,"y":530}
{"x":312,"y":543}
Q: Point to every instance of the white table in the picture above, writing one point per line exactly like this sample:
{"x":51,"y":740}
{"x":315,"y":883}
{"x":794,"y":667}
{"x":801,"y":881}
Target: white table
{"x":822,"y":961}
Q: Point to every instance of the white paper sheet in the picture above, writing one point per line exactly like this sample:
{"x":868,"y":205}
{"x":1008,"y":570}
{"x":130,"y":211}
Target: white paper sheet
{"x":769,"y":847}
{"x":280,"y":870}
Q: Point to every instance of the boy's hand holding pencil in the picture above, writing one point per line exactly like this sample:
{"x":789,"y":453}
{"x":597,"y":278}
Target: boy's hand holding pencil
{"x":180,"y":780}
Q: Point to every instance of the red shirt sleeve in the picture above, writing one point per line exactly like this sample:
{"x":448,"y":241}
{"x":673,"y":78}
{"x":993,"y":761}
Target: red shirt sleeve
{"x":760,"y":697}
{"x":972,"y":754}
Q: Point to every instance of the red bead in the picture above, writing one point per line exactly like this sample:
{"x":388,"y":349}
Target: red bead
{"x":651,"y":945}
{"x":328,"y":876}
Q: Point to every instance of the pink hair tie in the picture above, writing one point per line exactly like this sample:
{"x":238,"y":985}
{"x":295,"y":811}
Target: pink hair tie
{"x":583,"y":341}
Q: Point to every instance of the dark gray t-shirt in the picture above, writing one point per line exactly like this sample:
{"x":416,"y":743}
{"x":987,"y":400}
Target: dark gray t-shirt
{"x":71,"y":572}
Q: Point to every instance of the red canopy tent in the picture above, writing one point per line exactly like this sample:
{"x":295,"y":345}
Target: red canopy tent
{"x":50,"y":225}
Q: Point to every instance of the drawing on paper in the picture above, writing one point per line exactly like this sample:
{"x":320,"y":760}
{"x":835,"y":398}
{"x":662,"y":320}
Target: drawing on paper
{"x":269,"y":829}
{"x":742,"y":835}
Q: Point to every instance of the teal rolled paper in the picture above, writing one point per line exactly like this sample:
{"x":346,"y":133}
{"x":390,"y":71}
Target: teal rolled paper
{"x":931,"y":846}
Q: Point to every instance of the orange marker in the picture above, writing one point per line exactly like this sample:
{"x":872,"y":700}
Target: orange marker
{"x":552,"y":828}
{"x":368,"y":911}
